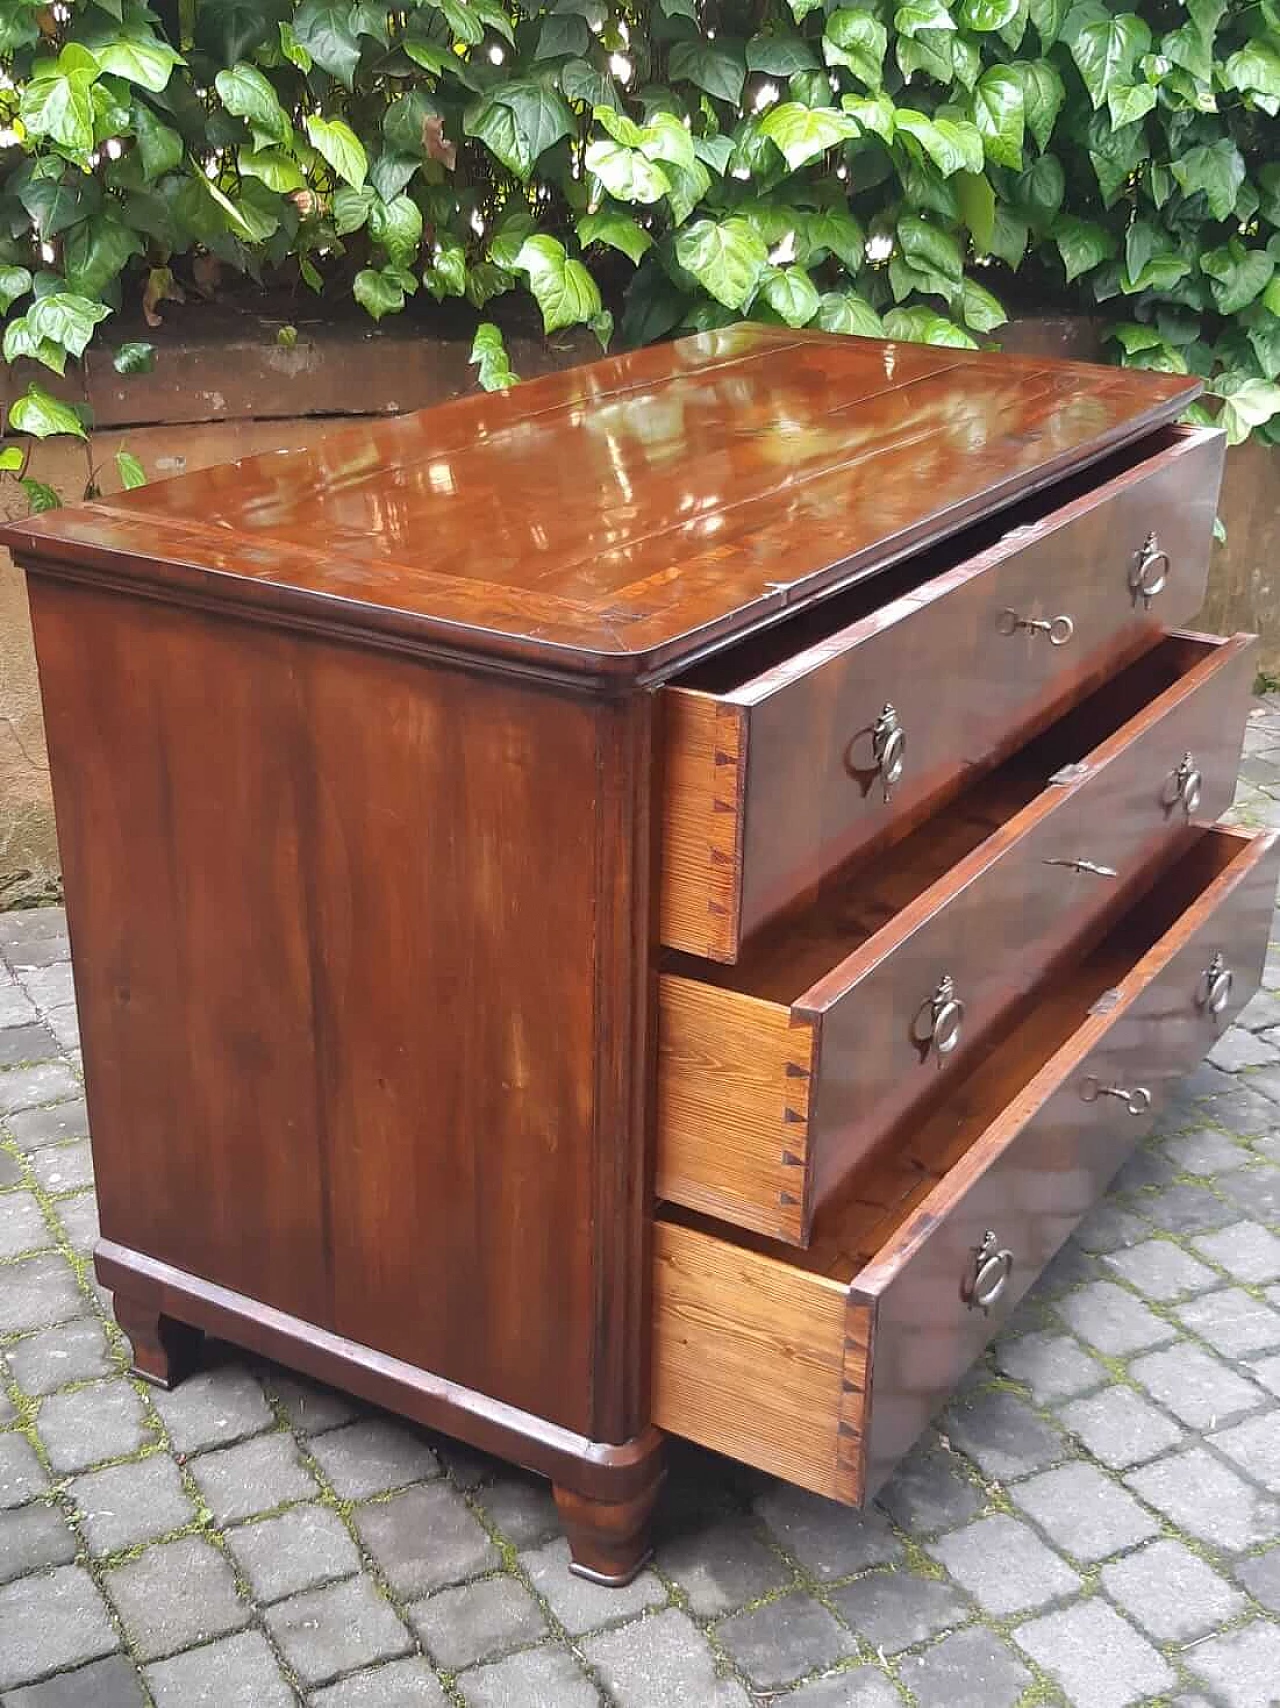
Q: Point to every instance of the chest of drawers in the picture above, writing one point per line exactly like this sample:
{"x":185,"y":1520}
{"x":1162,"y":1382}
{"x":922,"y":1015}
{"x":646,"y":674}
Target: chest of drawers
{"x":650,"y":903}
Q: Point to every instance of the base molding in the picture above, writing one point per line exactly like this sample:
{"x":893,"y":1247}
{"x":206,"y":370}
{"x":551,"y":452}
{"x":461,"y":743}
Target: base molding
{"x":597,"y":1471}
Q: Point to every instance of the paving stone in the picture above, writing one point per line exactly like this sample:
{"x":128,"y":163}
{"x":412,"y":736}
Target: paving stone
{"x":29,"y":1087}
{"x":63,"y":1168}
{"x":64,"y":1023}
{"x":1244,"y":1667}
{"x":1108,"y":1226}
{"x":1145,"y":1167}
{"x":79,"y":1219}
{"x":1120,"y":1428}
{"x":49,"y":1622}
{"x":25,"y":930}
{"x":1113,"y":1320}
{"x":1241,"y":1111}
{"x":1002,"y":1435}
{"x":238,"y":1672}
{"x":929,"y":1492}
{"x":311,"y":1407}
{"x":69,"y":1352}
{"x":859,"y":1687}
{"x":581,"y":1606}
{"x":1096,"y":1656}
{"x":213,"y":1409}
{"x":301,"y":1549}
{"x":970,"y":1669}
{"x":25,"y":1044}
{"x":1266,"y":1371}
{"x":253,"y":1476}
{"x":324,"y":1632}
{"x":1246,"y":1250}
{"x":1004,"y":1565}
{"x":1162,"y":1270}
{"x":1171,"y":1593}
{"x":52,"y":1125}
{"x":1071,"y":1268}
{"x":1053,"y":1366}
{"x":31,"y":1537}
{"x":829,"y":1540}
{"x":22,"y":1476}
{"x":409,"y":1683}
{"x":22,"y":1225}
{"x":84,"y":1426}
{"x":1238,"y":1048}
{"x":109,"y":1683}
{"x":49,"y":986}
{"x":540,"y":1678}
{"x":37,"y":1291}
{"x":10,"y":1168}
{"x":128,"y":1504}
{"x":425,"y":1538}
{"x":174,"y":1595}
{"x":1183,"y":1209}
{"x":477,"y":1622}
{"x":1255,"y":1447}
{"x":1232,"y":1322}
{"x":1195,"y":1385}
{"x":1206,"y":1152}
{"x":521,"y":1506}
{"x":374,"y":1456}
{"x":783,"y":1640}
{"x":1084,"y":1513}
{"x":1261,"y":1577}
{"x":894,"y":1610}
{"x":721,"y":1566}
{"x":1206,"y":1499}
{"x":1255,"y":1191}
{"x":16,"y":1007}
{"x":662,"y":1662}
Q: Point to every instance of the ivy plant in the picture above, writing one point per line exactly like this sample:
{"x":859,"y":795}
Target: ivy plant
{"x":913,"y":169}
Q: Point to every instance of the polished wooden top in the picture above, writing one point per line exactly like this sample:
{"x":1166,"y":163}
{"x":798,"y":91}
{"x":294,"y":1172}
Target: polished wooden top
{"x":618,"y":518}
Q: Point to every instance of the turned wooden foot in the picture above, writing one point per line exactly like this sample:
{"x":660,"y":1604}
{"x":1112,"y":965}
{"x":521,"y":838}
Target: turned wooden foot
{"x":164,"y":1351}
{"x":608,"y":1540}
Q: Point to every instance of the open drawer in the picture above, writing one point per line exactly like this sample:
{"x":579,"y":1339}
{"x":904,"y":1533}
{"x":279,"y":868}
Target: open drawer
{"x":823,"y":1366}
{"x":839,"y":727}
{"x":779,"y":1075}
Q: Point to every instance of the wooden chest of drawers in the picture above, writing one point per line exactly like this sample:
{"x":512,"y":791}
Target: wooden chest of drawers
{"x":653,"y":902}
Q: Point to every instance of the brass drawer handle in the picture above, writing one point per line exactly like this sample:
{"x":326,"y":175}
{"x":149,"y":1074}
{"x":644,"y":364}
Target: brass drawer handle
{"x":940,"y":1021}
{"x":1214,"y":992}
{"x":1185,"y":784}
{"x":1137,"y":1100}
{"x":889,"y":745}
{"x":1150,"y":572}
{"x":1058,"y":629}
{"x":988,"y":1274}
{"x":1086,"y":866}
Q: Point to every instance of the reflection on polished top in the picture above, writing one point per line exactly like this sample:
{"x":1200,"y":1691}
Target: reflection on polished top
{"x":616,"y":518}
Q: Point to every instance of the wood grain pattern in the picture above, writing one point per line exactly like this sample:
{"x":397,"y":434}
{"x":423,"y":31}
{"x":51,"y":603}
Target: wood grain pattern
{"x":748,"y":1339}
{"x":634,"y":511}
{"x":972,"y":894}
{"x":808,"y":693}
{"x":704,"y":754}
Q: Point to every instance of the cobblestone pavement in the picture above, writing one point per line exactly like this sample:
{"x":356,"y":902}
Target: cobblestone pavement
{"x":1094,"y":1521}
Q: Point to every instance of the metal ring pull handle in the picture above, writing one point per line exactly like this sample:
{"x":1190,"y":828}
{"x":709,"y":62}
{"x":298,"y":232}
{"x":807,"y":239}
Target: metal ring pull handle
{"x":1058,"y":629}
{"x":988,"y":1274}
{"x":1137,"y":1100}
{"x":943,"y":1017}
{"x":1214,"y":991}
{"x":1086,"y":866}
{"x":1150,"y":572}
{"x":889,"y":745}
{"x":1186,"y":784}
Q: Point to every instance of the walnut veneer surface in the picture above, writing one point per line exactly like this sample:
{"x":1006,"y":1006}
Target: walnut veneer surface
{"x":508,"y":928}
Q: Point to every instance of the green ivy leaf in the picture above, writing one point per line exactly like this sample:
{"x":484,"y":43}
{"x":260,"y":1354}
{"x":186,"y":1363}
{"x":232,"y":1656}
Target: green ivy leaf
{"x":626,"y":173}
{"x":57,"y":196}
{"x":272,"y":167}
{"x":1237,"y":275}
{"x":159,"y":145}
{"x":1000,"y":116}
{"x":1107,"y":49}
{"x":1254,"y":67}
{"x":351,"y":208}
{"x":791,"y":294}
{"x":859,"y":41}
{"x":130,"y":470}
{"x":727,"y":257}
{"x":580,"y":81}
{"x":59,"y":105}
{"x":323,"y":30}
{"x":877,"y":115}
{"x":979,"y":309}
{"x":397,"y":226}
{"x":1043,"y":95}
{"x":293,"y":49}
{"x":11,"y":459}
{"x":847,"y":312}
{"x":919,"y":15}
{"x":617,"y":231}
{"x":1247,"y":403}
{"x":954,"y":145}
{"x":447,"y":275}
{"x":1082,"y":244}
{"x":719,"y":67}
{"x":800,"y":9}
{"x":987,"y":15}
{"x":15,"y":282}
{"x":803,"y":133}
{"x":338,"y":144}
{"x":1127,"y":102}
{"x":96,"y":251}
{"x":518,"y":122}
{"x":40,"y":496}
{"x":833,"y":231}
{"x":977,"y":208}
{"x":42,"y":416}
{"x":1009,"y":236}
{"x":489,"y":357}
{"x":1218,"y":169}
{"x":924,"y":326}
{"x":378,"y":293}
{"x":134,"y":357}
{"x":781,"y":53}
{"x":929,"y":249}
{"x":244,"y":91}
{"x":563,"y":36}
{"x":66,"y":319}
{"x":137,"y":57}
{"x":562,"y":287}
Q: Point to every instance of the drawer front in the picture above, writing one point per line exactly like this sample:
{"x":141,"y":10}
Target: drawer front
{"x":999,"y":919}
{"x":1051,"y":1162}
{"x":775,"y":783}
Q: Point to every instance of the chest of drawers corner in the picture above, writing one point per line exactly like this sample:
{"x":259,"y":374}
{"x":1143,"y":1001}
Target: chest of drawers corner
{"x":652,"y":903}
